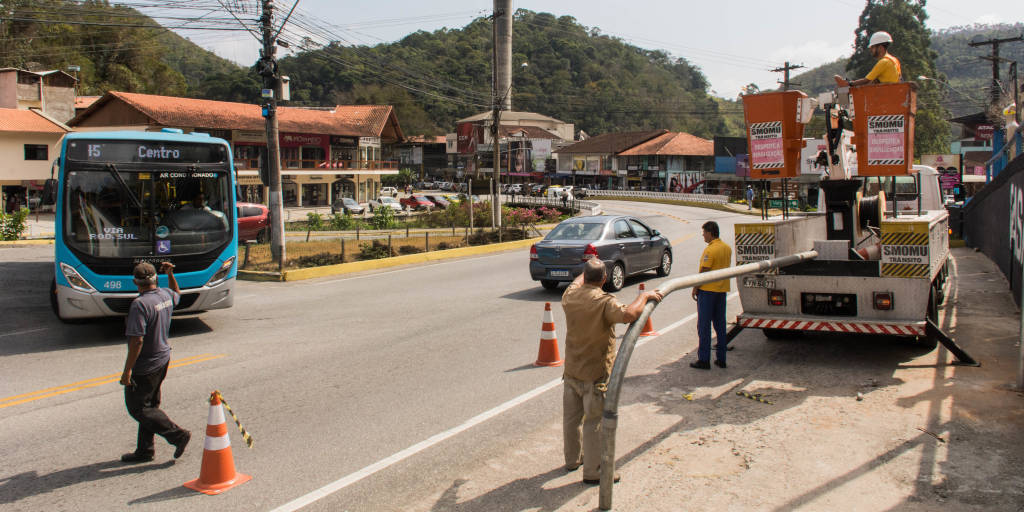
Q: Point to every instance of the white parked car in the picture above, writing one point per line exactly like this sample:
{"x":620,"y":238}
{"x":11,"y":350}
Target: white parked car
{"x":385,"y":201}
{"x":389,"y":191}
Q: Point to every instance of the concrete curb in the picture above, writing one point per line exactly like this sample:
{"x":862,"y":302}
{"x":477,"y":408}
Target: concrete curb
{"x":21,"y":243}
{"x":361,"y":266}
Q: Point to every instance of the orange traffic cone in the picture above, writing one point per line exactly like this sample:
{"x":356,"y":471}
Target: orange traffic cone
{"x":547,"y":354}
{"x":648,"y":327}
{"x":217,"y":474}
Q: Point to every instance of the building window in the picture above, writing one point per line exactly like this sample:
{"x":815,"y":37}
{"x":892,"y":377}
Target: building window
{"x":36,"y":152}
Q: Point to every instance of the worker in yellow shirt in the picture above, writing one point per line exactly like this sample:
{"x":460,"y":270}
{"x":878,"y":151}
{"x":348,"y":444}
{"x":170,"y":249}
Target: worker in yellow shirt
{"x":711,"y":299}
{"x":887,"y":68}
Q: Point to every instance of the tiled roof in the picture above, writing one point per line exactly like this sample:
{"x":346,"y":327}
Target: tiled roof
{"x":612,"y":143}
{"x":508,"y":116}
{"x":346,"y":120}
{"x":85,"y":101}
{"x":673,"y":143}
{"x":18,"y":120}
{"x":531,"y":132}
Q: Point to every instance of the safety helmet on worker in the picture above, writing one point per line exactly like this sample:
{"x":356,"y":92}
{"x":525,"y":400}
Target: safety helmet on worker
{"x":880,"y":37}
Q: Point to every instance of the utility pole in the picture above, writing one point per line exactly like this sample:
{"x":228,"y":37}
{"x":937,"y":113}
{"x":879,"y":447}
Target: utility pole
{"x":501,"y":78}
{"x":785,"y":74}
{"x":994,"y":43}
{"x":998,"y":137}
{"x":268,"y":70}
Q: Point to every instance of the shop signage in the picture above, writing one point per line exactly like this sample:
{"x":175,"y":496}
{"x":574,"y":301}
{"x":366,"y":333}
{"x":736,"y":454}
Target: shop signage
{"x":293,"y":139}
{"x":369,"y":142}
{"x":343,"y":141}
{"x":248,"y":136}
{"x":984,"y":132}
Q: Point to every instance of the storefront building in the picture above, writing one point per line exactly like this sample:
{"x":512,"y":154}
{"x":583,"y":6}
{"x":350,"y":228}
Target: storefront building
{"x":671,"y":162}
{"x":596,"y":163}
{"x":29,"y":141}
{"x":325,"y":154}
{"x":526,"y":140}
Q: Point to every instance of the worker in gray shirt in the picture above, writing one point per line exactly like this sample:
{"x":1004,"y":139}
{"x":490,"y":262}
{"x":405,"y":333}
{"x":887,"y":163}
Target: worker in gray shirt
{"x":149,"y":321}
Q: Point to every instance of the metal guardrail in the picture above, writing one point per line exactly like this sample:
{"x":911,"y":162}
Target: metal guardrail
{"x":574,"y":204}
{"x":610,"y":419}
{"x":674,"y":196}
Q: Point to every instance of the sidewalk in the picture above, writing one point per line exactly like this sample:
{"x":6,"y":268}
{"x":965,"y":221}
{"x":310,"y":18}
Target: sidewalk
{"x":816,"y":447}
{"x":39,"y":226}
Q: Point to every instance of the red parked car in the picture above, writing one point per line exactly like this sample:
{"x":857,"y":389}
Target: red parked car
{"x":416,"y":202}
{"x":253,"y":222}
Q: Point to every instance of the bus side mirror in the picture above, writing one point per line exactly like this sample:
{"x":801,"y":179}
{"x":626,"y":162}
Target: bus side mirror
{"x":49,"y":192}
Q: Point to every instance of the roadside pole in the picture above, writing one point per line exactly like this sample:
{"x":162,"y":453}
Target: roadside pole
{"x":268,"y":70}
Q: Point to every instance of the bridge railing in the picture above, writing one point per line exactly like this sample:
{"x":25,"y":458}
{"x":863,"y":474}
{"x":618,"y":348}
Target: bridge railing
{"x":673,"y":196}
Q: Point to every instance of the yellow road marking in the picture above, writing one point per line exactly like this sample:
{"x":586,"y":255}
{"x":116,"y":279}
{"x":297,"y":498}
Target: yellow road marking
{"x":90,"y":383}
{"x":677,"y":241}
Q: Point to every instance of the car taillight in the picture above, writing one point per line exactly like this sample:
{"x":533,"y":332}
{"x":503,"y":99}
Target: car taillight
{"x":777,"y":297}
{"x":533,"y":252}
{"x":589,"y":252}
{"x":883,"y":300}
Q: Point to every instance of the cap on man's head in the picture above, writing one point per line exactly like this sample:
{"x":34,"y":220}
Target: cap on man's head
{"x":144,"y":273}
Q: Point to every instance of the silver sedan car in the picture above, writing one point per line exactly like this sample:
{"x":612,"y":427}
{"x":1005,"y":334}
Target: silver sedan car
{"x":626,"y":245}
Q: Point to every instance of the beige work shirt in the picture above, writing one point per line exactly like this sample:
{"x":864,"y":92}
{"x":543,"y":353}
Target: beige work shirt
{"x":590,"y":318}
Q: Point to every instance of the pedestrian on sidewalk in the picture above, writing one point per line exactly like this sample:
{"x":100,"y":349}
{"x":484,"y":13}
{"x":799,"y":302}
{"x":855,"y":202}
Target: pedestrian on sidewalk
{"x":711,"y":299}
{"x":147,"y":327}
{"x":750,"y":197}
{"x":590,"y":318}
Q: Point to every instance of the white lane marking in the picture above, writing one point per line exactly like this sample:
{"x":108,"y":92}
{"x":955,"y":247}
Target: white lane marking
{"x":341,"y":483}
{"x":24,"y":332}
{"x":420,"y":267}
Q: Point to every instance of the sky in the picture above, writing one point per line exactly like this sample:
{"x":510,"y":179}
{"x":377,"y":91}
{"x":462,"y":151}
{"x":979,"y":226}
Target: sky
{"x":733,"y":42}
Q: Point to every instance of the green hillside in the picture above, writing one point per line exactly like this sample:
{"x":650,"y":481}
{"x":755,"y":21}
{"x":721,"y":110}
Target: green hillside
{"x":56,"y":34}
{"x":571,"y":72}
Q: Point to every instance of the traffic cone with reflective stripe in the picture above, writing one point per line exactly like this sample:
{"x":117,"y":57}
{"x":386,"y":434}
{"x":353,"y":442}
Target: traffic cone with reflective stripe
{"x":648,"y":327}
{"x":547,"y":354}
{"x":217,"y":474}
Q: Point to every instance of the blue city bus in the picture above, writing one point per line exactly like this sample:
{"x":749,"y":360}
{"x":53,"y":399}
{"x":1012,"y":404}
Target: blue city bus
{"x":126,"y":197}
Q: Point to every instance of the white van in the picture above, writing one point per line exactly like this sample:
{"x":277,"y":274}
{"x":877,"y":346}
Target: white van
{"x":556,"y":192}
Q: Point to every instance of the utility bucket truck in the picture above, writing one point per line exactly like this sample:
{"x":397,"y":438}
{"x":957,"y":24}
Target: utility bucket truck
{"x":881,"y":267}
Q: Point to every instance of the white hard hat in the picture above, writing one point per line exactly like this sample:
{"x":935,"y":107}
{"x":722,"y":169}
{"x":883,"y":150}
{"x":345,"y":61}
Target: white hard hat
{"x":879,"y":38}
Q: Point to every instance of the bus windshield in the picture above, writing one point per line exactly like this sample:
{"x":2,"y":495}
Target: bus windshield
{"x":146,"y":210}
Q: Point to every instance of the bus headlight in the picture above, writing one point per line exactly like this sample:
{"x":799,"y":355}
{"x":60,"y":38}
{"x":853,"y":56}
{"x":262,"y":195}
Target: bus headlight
{"x":221,"y":274}
{"x":75,"y":279}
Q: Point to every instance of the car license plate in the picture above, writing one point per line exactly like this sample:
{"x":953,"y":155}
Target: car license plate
{"x":758,"y":282}
{"x":559,"y":273}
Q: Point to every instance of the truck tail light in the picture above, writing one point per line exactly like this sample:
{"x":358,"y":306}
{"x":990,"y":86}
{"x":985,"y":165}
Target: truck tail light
{"x":777,"y":297}
{"x":533,"y":252}
{"x":589,"y":252}
{"x":883,"y":300}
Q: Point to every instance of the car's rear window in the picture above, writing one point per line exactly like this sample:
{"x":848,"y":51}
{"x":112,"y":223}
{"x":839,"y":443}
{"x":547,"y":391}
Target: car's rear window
{"x":576,"y":231}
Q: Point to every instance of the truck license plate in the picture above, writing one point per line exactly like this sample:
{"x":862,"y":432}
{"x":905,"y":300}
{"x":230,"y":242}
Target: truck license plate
{"x":559,"y":273}
{"x":758,"y":282}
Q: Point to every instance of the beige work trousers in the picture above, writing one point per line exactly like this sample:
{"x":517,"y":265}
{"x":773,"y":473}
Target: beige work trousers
{"x":582,"y":406}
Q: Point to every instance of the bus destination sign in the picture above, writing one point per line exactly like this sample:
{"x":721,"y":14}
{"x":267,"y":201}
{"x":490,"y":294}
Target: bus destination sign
{"x":127,"y":151}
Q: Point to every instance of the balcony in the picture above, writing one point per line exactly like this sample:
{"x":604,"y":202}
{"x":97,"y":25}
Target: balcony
{"x":243,"y":164}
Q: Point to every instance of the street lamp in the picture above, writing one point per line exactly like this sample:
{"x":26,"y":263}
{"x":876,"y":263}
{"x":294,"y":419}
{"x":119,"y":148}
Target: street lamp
{"x":950,"y":87}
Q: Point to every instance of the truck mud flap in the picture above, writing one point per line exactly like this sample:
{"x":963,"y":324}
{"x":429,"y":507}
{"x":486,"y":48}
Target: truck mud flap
{"x":962,"y":358}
